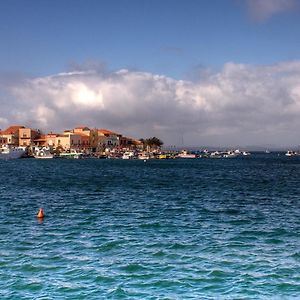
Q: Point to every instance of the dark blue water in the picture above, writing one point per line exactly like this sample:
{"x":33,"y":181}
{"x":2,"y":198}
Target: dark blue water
{"x":173,"y":229}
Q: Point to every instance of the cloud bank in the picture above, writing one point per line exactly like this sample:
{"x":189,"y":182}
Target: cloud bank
{"x":239,"y":105}
{"x":262,"y":10}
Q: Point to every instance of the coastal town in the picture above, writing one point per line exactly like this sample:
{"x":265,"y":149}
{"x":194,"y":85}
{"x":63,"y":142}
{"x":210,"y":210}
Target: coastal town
{"x":77,"y":142}
{"x":82,"y":142}
{"x":19,"y":141}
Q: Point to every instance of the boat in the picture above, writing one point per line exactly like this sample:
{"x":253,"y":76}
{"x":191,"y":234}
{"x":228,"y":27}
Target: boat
{"x":128,"y":155}
{"x":229,"y":154}
{"x":215,"y":154}
{"x":245,"y":153}
{"x":11,"y":152}
{"x":143,"y":155}
{"x":71,"y":154}
{"x":42,"y":153}
{"x":185,"y":154}
{"x":291,"y":153}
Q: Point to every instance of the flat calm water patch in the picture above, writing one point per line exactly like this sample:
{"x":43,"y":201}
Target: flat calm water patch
{"x":173,"y":229}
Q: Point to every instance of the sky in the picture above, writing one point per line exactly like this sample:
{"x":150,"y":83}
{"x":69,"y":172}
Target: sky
{"x":193,"y":73}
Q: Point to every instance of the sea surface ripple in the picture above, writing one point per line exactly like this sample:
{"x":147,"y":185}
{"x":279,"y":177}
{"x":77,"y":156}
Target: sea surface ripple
{"x":171,"y":229}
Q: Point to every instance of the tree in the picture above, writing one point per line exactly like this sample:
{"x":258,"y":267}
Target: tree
{"x":153,"y":143}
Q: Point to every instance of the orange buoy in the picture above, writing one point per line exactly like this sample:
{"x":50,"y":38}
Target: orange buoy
{"x":40,"y":213}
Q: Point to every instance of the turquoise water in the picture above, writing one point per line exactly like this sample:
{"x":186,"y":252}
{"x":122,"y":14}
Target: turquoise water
{"x":173,"y":229}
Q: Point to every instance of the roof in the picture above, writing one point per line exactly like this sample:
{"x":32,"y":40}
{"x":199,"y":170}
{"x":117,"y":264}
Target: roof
{"x":12,"y":129}
{"x":135,"y":141}
{"x":82,"y":127}
{"x":105,"y":131}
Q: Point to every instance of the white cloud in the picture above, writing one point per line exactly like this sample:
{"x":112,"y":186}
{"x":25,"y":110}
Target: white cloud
{"x":262,"y":10}
{"x":240,"y":105}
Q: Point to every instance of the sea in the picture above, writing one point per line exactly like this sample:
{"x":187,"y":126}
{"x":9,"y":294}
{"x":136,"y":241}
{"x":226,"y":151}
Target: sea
{"x":157,"y":229}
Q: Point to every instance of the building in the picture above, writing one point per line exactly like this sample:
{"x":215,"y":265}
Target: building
{"x":11,"y":135}
{"x":3,"y":140}
{"x":108,"y":138}
{"x":69,"y":140}
{"x":82,"y":130}
{"x":85,"y":133}
{"x":50,"y":139}
{"x":27,"y":136}
{"x":129,"y":143}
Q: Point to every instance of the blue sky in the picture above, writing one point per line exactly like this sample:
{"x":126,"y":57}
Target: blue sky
{"x":165,"y":37}
{"x":209,"y":72}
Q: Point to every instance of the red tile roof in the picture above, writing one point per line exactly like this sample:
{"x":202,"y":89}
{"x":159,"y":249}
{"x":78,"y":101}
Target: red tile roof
{"x":105,"y":131}
{"x":12,"y":129}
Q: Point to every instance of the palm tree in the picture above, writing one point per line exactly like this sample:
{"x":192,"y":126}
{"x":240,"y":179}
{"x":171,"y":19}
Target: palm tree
{"x":153,"y":143}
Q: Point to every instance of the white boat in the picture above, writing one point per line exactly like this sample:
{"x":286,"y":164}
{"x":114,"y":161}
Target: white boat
{"x":230,"y":154}
{"x":128,"y":155}
{"x":11,"y":152}
{"x":215,"y":154}
{"x":245,"y":153}
{"x":42,"y":153}
{"x":291,"y":153}
{"x":143,"y":156}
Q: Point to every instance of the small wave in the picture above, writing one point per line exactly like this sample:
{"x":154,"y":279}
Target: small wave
{"x":109,"y":246}
{"x":231,"y":212}
{"x":240,"y":222}
{"x":150,"y":225}
{"x":274,"y":241}
{"x":164,"y":283}
{"x":134,"y":267}
{"x":178,"y":246}
{"x":104,"y":279}
{"x":118,"y":292}
{"x":159,"y":253}
{"x":296,"y":255}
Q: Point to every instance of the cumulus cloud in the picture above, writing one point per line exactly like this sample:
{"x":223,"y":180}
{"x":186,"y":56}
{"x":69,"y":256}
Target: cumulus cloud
{"x":262,"y":10}
{"x":239,"y":105}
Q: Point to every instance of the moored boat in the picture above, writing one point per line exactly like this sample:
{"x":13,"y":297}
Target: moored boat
{"x":185,"y":154}
{"x":71,"y":154}
{"x":245,"y":153}
{"x":11,"y":152}
{"x":291,"y":153}
{"x":143,"y":155}
{"x":42,"y":153}
{"x":128,"y":155}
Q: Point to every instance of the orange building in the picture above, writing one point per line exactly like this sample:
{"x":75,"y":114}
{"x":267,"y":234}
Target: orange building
{"x":27,"y":136}
{"x":82,"y":130}
{"x":11,"y":134}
